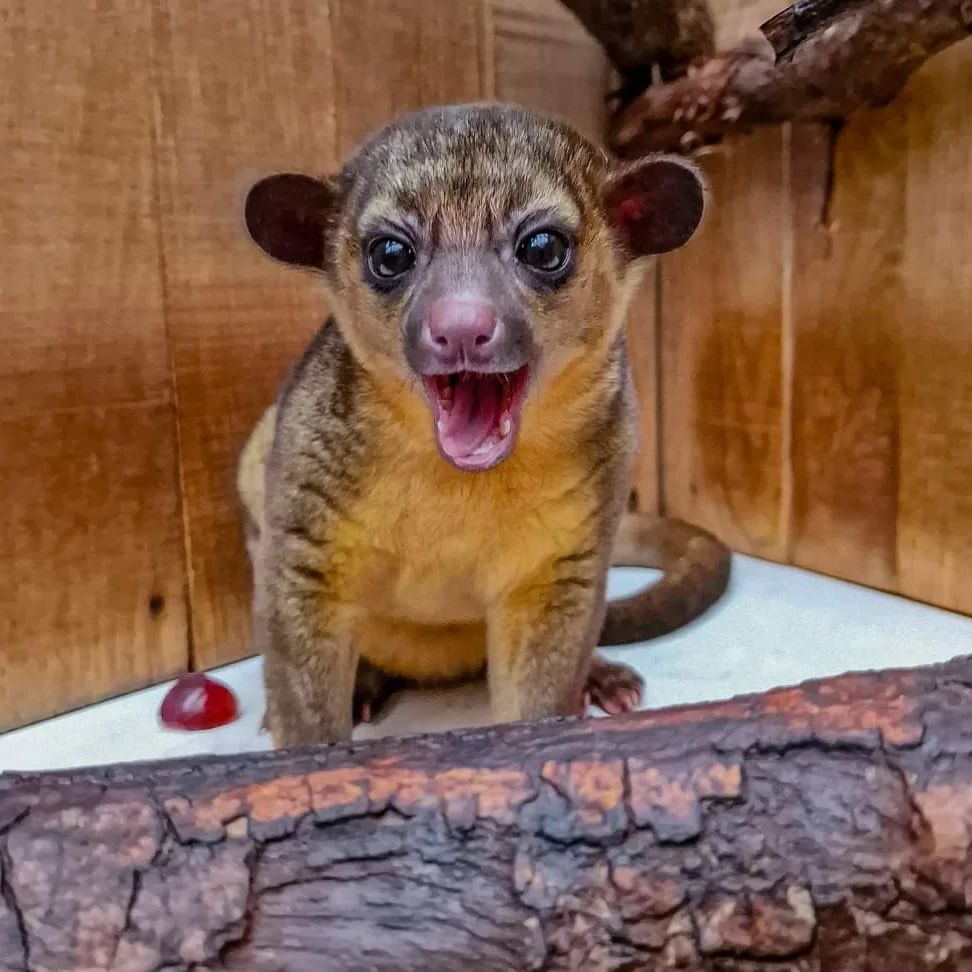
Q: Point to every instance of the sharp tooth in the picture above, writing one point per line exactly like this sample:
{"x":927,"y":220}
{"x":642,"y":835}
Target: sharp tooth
{"x":506,"y":426}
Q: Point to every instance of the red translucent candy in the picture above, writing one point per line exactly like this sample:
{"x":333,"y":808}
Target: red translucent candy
{"x":198,"y":702}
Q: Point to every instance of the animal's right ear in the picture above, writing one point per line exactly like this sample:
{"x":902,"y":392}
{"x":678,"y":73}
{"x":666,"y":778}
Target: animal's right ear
{"x":288,"y":216}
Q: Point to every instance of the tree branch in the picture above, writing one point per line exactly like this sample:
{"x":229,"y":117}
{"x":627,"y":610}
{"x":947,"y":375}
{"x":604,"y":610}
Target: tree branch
{"x":818,"y":60}
{"x":822,"y":827}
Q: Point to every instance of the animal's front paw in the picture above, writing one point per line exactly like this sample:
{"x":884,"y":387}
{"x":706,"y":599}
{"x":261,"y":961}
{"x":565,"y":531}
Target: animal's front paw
{"x":613,"y":687}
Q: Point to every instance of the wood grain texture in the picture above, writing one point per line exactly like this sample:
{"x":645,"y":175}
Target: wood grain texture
{"x":543,"y":59}
{"x":816,"y":399}
{"x":80,"y":259}
{"x":643,"y":335}
{"x":92,"y":600}
{"x":883,"y":397}
{"x":935,"y":400}
{"x":722,"y":390}
{"x":847,"y":300}
{"x":244,"y":89}
{"x":393,"y":58}
{"x":823,"y":828}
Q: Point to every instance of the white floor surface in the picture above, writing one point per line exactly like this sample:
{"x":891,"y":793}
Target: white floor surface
{"x":775,"y":626}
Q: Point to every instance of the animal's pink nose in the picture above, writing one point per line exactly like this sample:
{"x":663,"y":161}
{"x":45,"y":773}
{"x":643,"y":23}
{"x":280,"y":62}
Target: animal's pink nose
{"x":462,"y":327}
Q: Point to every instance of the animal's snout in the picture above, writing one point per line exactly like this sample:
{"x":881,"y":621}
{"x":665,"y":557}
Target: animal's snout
{"x":462,"y":331}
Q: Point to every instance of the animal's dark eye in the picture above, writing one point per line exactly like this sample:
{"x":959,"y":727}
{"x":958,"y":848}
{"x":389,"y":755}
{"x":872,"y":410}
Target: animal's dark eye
{"x":389,"y":257}
{"x":544,"y":250}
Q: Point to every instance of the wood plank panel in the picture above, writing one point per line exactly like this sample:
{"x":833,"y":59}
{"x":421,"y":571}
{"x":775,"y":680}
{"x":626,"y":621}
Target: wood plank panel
{"x":871,"y":480}
{"x":643,"y":356}
{"x":450,"y":50}
{"x":722,"y":388}
{"x":935,"y":401}
{"x":849,"y":192}
{"x":377,"y":71}
{"x":81,"y":314}
{"x":883,"y":393}
{"x":244,"y":89}
{"x":92,"y":600}
{"x":723,"y":395}
{"x":543,"y":59}
{"x":393,"y":58}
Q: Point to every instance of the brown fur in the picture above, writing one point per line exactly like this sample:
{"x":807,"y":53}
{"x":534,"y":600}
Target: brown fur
{"x":373,"y":554}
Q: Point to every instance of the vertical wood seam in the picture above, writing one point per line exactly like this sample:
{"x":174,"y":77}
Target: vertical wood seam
{"x":155,"y":129}
{"x":787,"y":346}
{"x":661,"y":499}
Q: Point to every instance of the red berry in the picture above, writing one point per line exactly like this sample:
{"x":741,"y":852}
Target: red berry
{"x":197,"y":701}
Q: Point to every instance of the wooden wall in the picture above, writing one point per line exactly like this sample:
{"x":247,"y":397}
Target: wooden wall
{"x":142,"y":333}
{"x":816,"y":342}
{"x":805,"y":367}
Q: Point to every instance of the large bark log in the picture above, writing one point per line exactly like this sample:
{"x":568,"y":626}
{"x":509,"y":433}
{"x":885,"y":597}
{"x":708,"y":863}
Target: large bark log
{"x":824,"y":828}
{"x":818,"y":60}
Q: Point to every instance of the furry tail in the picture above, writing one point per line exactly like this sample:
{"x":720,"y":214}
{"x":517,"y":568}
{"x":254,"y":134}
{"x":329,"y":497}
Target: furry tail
{"x":696,"y":572}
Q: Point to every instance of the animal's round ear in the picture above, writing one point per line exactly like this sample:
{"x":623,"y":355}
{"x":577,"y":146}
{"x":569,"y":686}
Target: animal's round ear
{"x":655,"y":204}
{"x":288,"y":214}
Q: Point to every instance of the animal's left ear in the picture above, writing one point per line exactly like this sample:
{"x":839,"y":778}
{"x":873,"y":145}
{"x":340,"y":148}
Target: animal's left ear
{"x":655,"y":204}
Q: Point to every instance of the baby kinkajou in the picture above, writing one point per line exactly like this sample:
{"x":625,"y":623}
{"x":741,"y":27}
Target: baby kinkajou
{"x":441,"y":483}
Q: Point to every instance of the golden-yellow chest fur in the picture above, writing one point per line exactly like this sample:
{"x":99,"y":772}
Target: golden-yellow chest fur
{"x":431,"y":549}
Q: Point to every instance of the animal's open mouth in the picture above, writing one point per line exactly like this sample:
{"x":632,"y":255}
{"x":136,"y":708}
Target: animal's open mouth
{"x":477,"y":415}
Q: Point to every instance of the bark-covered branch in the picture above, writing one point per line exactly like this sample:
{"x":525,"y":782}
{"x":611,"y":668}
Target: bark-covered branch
{"x":826,"y":827}
{"x":818,"y":60}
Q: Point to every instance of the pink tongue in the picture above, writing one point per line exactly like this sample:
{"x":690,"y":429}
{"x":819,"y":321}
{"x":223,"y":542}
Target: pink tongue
{"x":474,"y":414}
